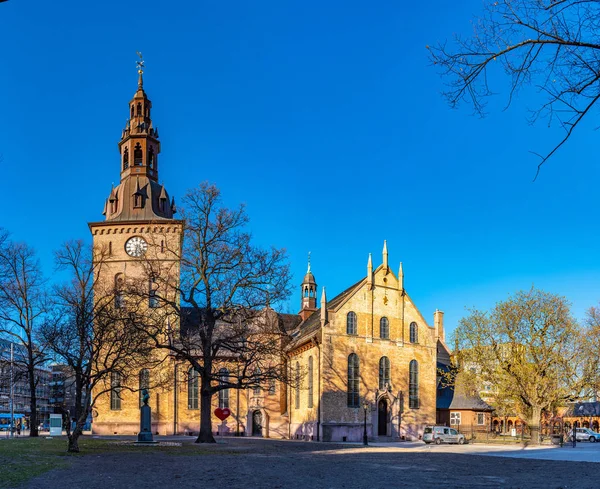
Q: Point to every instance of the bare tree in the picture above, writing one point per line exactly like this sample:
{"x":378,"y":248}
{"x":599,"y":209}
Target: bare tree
{"x":89,"y":335}
{"x":23,"y":304}
{"x":550,"y":45}
{"x":216,"y":313}
{"x":529,"y":350}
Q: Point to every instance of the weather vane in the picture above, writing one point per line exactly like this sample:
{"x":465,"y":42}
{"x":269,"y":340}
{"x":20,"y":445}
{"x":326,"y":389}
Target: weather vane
{"x":308,"y":262}
{"x":140,"y":64}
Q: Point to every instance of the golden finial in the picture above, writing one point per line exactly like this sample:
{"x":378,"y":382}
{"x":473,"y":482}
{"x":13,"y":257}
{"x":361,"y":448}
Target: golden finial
{"x":140,"y":66}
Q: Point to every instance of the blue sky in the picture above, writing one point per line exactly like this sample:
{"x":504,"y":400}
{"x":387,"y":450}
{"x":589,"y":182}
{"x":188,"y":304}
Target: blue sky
{"x":325,"y":118}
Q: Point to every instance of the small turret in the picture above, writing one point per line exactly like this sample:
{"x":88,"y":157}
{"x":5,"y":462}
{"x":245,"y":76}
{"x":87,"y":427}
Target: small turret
{"x":385,"y":256}
{"x":370,"y":272}
{"x":323,"y":308}
{"x":309,"y":293}
{"x":401,"y":278}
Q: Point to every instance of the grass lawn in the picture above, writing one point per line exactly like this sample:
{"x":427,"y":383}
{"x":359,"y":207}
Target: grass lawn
{"x":24,"y":458}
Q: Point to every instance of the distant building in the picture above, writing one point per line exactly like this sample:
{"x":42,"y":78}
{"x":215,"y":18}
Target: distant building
{"x":21,"y":400}
{"x":459,"y":405}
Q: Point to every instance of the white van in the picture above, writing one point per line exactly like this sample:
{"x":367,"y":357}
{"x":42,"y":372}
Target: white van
{"x":439,"y":434}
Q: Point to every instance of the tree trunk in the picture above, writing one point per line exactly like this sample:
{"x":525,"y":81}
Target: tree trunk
{"x":205,"y":435}
{"x":74,"y":438}
{"x":534,"y":425}
{"x":33,"y":418}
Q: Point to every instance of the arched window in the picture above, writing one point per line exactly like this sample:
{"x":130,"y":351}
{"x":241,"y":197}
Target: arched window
{"x":119,"y":284}
{"x":144,"y":382}
{"x":353,"y":380}
{"x":384,"y":372}
{"x":115,"y":391}
{"x":310,"y":382}
{"x":413,"y":385}
{"x":384,"y":328}
{"x":297,"y":387}
{"x":351,"y":323}
{"x":138,"y":200}
{"x":139,"y":108}
{"x":132,"y":111}
{"x":152,"y":297}
{"x":125,"y":159}
{"x":151,"y":157}
{"x":414,"y":333}
{"x":271,"y":387}
{"x":257,"y":374}
{"x":192,"y":389}
{"x":138,"y":155}
{"x":224,"y":393}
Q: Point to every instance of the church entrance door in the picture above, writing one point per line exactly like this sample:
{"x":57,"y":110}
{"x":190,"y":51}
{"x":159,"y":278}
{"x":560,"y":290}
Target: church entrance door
{"x":382,"y":418}
{"x":257,"y":423}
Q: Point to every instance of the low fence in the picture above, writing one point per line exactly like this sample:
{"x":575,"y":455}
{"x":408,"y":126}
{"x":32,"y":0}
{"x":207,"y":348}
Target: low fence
{"x":522,"y":434}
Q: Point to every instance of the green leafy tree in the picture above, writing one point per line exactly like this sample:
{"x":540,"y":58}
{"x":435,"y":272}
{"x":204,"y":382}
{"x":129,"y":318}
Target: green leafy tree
{"x":529,"y":349}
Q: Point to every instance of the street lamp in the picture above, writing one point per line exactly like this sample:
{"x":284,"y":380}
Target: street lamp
{"x":366,"y":408}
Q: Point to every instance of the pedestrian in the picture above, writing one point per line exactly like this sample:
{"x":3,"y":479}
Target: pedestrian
{"x":19,"y":428}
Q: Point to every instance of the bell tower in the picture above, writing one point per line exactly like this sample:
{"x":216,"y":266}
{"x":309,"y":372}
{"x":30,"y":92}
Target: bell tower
{"x":139,"y":228}
{"x":309,"y":294}
{"x":139,"y":145}
{"x":139,"y":196}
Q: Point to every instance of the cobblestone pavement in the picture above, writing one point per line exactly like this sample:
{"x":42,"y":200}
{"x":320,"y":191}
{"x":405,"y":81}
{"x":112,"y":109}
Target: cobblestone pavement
{"x":256,"y":463}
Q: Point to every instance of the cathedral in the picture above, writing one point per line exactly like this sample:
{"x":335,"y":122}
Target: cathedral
{"x":367,"y":356}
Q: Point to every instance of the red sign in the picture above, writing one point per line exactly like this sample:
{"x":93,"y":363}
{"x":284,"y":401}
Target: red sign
{"x":222,"y":414}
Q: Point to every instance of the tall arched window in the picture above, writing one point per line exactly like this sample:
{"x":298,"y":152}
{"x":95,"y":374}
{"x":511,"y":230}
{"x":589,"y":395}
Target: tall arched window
{"x":297,"y":387}
{"x":151,"y":157}
{"x":414,"y":333}
{"x":353,"y":380}
{"x":139,"y":108}
{"x":224,"y":393}
{"x":192,"y":389}
{"x":115,"y":391}
{"x":310,"y":382}
{"x":132,"y":111}
{"x":138,"y":155}
{"x":144,"y":382}
{"x":384,"y":372}
{"x":257,"y":374}
{"x":351,"y":323}
{"x":413,"y":385}
{"x":125,"y":159}
{"x":152,"y":289}
{"x":119,"y":284}
{"x":384,"y":328}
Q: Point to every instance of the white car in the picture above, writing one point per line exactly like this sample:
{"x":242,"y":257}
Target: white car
{"x":442,"y":434}
{"x":584,"y":434}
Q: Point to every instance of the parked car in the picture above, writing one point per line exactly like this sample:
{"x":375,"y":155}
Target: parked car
{"x":584,"y":434}
{"x":442,"y":434}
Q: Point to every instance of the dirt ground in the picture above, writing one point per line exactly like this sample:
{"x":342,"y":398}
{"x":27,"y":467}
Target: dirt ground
{"x":255,"y":463}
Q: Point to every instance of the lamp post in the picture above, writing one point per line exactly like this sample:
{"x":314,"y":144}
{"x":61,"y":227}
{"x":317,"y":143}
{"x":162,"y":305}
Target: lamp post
{"x":366,"y":408}
{"x":12,"y":392}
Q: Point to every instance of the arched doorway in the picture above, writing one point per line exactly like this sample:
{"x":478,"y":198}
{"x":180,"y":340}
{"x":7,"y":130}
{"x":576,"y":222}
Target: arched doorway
{"x":257,"y":422}
{"x":382,"y":425}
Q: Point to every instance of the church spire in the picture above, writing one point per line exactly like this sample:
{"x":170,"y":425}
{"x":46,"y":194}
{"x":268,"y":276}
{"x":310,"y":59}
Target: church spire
{"x":309,"y":293}
{"x":139,"y":145}
{"x":139,"y":196}
{"x":140,"y":66}
{"x":385,"y":255}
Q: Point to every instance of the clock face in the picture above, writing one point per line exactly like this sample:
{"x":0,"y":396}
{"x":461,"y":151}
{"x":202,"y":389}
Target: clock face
{"x":136,"y":246}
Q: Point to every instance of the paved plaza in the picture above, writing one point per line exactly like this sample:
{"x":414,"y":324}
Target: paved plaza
{"x":258,"y":463}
